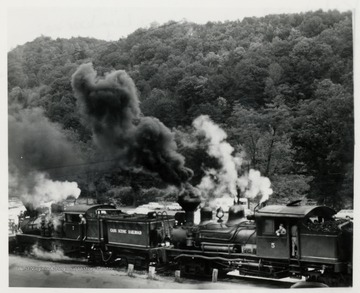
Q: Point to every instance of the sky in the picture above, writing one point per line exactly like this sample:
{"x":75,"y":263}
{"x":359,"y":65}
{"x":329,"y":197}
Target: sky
{"x":111,"y":20}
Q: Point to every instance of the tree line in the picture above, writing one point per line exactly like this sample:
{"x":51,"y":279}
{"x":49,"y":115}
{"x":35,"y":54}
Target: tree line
{"x":281,"y":86}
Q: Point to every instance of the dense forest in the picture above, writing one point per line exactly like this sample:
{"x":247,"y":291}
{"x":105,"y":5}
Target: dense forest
{"x":281,"y":86}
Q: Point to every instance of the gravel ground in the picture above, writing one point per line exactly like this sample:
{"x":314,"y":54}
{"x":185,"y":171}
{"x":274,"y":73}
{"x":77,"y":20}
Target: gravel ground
{"x":30,"y":272}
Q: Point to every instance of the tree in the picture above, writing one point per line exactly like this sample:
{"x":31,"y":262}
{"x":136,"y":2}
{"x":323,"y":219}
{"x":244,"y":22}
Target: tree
{"x":264,"y":135}
{"x":312,"y":26}
{"x":16,"y":74}
{"x":163,"y":107}
{"x":249,"y":79}
{"x":323,"y":138}
{"x":190,"y":90}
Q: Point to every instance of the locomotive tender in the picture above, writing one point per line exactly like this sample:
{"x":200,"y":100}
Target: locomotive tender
{"x":312,"y":244}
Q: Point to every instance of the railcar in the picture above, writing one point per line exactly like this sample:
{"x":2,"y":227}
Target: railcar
{"x":312,"y":244}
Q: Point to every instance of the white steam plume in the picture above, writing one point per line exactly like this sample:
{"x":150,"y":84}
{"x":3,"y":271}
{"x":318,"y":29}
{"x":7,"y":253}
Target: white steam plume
{"x":253,"y":184}
{"x":223,"y":182}
{"x":43,"y":190}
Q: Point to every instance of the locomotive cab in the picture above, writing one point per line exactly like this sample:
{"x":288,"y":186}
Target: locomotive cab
{"x":308,"y":233}
{"x":311,"y":242}
{"x":72,"y":227}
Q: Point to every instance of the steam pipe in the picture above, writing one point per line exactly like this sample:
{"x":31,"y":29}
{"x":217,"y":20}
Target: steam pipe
{"x":256,"y":207}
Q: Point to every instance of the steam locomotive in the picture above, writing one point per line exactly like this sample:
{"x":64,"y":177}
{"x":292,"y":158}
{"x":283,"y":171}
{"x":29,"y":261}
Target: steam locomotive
{"x":311,"y":243}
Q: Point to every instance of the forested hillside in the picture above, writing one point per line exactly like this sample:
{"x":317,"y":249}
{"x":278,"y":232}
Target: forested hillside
{"x":281,"y":86}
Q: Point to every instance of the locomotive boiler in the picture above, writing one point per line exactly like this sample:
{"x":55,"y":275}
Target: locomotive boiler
{"x":237,"y":234}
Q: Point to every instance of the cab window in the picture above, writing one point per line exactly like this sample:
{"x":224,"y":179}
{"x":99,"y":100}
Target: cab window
{"x":269,"y":227}
{"x":70,"y":218}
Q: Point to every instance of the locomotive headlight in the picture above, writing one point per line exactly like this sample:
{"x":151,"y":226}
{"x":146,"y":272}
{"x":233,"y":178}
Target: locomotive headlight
{"x":219,"y":213}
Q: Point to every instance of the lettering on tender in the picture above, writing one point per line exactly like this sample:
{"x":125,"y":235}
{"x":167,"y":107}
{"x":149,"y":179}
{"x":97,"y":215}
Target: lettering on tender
{"x":134,"y":232}
{"x":124,"y":231}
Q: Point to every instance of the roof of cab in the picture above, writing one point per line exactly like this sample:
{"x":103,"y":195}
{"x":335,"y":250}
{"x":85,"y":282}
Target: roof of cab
{"x":300,"y":211}
{"x":84,"y":208}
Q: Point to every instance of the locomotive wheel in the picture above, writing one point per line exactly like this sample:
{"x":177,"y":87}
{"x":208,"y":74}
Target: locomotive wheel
{"x":210,"y":266}
{"x":124,"y":262}
{"x":191,"y":268}
{"x":200,"y":268}
{"x":95,"y":257}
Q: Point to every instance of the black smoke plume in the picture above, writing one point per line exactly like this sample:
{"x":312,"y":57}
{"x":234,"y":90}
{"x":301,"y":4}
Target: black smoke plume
{"x":111,"y":107}
{"x":37,"y":147}
{"x":35,"y":143}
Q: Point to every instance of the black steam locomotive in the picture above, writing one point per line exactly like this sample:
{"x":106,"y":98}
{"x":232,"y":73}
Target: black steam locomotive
{"x":275,"y":242}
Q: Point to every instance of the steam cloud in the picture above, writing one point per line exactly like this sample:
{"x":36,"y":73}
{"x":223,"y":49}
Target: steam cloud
{"x":111,"y":107}
{"x":253,"y":183}
{"x":35,"y":146}
{"x":45,"y":190}
{"x":219,"y":186}
{"x":222,"y":180}
{"x":55,"y":255}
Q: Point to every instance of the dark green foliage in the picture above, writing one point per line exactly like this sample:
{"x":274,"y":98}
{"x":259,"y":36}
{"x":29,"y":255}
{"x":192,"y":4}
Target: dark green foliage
{"x":324,"y":139}
{"x":281,"y":86}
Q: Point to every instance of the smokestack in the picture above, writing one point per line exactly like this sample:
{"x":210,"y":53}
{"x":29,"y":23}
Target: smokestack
{"x":189,"y":202}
